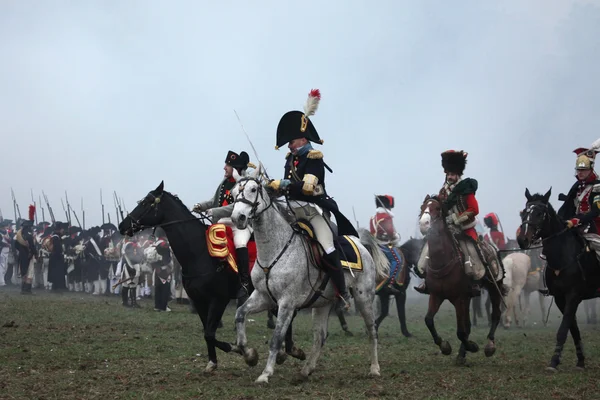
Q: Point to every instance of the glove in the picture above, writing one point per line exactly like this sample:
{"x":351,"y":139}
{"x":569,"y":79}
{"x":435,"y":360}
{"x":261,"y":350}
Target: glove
{"x":451,"y":219}
{"x":198,"y":208}
{"x":209,"y":213}
{"x":572,"y":222}
{"x":279,"y":184}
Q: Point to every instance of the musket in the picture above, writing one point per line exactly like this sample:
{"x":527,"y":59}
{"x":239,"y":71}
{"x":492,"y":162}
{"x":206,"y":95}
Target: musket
{"x":102,"y":204}
{"x":118,"y":204}
{"x":264,"y":169}
{"x":108,"y":218}
{"x":69,"y":207}
{"x":76,"y":219}
{"x":16,"y":206}
{"x":42,"y":207}
{"x":124,"y":207}
{"x":65,"y":210}
{"x":1,"y":217}
{"x":35,"y":205}
{"x":49,"y":208}
{"x":82,"y":213}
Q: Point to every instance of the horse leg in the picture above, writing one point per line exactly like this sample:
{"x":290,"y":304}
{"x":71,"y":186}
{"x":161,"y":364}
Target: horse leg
{"x":568,"y":306}
{"x":434,"y":306}
{"x":364,"y":304}
{"x":463,"y":329}
{"x":270,"y":319}
{"x":290,"y":347}
{"x":527,"y":310}
{"x":320,"y":318}
{"x":384,"y":299}
{"x":495,"y":298}
{"x":343,"y":323}
{"x":255,"y":303}
{"x":284,"y":319}
{"x":401,"y":308}
{"x":488,"y":303}
{"x":542,"y":307}
{"x":476,"y":302}
{"x":216,"y":308}
{"x":594,"y":317}
{"x":201,"y":308}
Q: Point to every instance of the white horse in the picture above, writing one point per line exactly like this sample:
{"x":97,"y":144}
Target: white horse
{"x":520,"y":281}
{"x":285,"y":275}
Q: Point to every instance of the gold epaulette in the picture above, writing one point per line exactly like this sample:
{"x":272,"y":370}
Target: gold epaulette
{"x":315,"y":155}
{"x":288,"y":154}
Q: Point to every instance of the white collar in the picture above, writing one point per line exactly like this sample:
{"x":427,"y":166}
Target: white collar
{"x":381,"y":210}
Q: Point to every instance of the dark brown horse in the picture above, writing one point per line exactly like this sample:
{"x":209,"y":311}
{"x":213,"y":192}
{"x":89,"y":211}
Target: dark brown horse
{"x":446,"y":279}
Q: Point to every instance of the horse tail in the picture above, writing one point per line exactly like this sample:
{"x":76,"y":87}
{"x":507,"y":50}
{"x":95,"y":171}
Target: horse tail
{"x":382,"y":264}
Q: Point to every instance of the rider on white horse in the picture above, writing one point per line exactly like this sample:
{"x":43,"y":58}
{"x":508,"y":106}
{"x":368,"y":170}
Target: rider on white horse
{"x":582,"y":206}
{"x":304,"y":185}
{"x":220,"y":207}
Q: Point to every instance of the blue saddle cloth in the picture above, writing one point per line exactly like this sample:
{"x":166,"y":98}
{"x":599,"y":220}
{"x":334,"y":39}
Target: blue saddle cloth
{"x":397,"y":261}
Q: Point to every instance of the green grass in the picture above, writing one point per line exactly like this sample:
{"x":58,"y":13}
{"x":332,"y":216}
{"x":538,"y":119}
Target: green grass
{"x":75,"y":346}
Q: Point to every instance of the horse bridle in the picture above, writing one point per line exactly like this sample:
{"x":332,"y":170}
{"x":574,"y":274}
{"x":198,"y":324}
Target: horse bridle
{"x":241,"y":197}
{"x":530,"y":207}
{"x":136,"y":226}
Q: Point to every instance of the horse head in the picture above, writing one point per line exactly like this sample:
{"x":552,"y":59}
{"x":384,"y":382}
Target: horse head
{"x":534,"y":218}
{"x":431,"y":211}
{"x":250,"y":199}
{"x":146,"y":214}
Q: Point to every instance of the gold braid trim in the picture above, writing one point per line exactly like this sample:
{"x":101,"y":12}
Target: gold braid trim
{"x":20,"y":238}
{"x":310,"y":181}
{"x":314,"y":155}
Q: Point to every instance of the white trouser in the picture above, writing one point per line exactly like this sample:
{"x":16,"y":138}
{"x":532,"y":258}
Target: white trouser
{"x":240,"y":236}
{"x":594,"y":241}
{"x":313,"y":215}
{"x":3,"y":264}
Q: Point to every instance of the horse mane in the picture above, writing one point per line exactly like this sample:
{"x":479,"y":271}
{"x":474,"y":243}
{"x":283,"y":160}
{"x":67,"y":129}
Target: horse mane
{"x":282,"y":207}
{"x":181,"y":204}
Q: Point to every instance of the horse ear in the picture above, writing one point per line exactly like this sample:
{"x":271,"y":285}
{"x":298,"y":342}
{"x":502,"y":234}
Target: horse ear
{"x":527,"y":194}
{"x":258,"y":171}
{"x":547,"y":195}
{"x":160,"y":187}
{"x":427,"y":198}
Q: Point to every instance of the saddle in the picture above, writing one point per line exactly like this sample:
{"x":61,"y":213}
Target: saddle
{"x":487,"y":254}
{"x":349,"y":253}
{"x":219,"y":241}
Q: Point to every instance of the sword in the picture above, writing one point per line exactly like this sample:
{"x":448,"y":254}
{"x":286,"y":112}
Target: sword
{"x":264,"y":169}
{"x":355,"y":220}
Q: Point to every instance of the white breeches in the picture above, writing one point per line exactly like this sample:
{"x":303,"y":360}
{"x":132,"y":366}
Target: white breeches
{"x":594,"y":242}
{"x":125,"y":275}
{"x":323,"y":232}
{"x":240,"y":236}
{"x":3,"y":264}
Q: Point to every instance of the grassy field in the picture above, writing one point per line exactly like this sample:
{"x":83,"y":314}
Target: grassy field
{"x":75,"y":346}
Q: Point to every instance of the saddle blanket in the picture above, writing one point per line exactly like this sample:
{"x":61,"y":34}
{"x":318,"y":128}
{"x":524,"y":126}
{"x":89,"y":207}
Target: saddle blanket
{"x":349,"y":253}
{"x":397,"y":261}
{"x":219,"y":240}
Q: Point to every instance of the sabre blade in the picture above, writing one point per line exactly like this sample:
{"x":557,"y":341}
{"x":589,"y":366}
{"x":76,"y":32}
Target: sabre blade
{"x":265,"y":173}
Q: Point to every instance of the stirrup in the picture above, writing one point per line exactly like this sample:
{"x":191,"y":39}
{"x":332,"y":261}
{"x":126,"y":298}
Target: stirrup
{"x":344,"y":301}
{"x":423,"y":289}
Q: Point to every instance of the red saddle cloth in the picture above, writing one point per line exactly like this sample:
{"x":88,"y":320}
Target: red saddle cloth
{"x":219,"y":239}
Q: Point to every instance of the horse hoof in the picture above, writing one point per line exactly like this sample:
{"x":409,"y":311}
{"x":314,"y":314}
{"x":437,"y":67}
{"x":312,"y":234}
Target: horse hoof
{"x":374,"y":372}
{"x":461,"y":361}
{"x":297,"y":353}
{"x":446,"y":348}
{"x":281,"y":357}
{"x":251,"y":357}
{"x":489,"y":349}
{"x":210,"y":367}
{"x":263,"y":379}
{"x":300,"y":378}
{"x":551,"y":369}
{"x":407,"y":334}
{"x":472,"y":347}
{"x":271,"y":324}
{"x":580,"y":368}
{"x":348,"y":333}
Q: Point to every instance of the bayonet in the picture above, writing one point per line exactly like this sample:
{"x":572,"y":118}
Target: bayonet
{"x":16,"y":206}
{"x":82,"y":213}
{"x":65,"y":210}
{"x":102,"y":204}
{"x":49,"y":208}
{"x":42,"y":207}
{"x":68,"y":208}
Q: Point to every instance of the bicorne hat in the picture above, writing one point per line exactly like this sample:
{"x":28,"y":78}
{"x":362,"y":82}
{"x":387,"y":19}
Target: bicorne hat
{"x":239,"y":161}
{"x":296,"y":124}
{"x":385,"y":201}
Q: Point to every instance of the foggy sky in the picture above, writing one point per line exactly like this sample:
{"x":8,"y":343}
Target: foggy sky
{"x":122,"y":95}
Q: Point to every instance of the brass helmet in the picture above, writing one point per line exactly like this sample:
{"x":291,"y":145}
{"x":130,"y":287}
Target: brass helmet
{"x":585,"y":158}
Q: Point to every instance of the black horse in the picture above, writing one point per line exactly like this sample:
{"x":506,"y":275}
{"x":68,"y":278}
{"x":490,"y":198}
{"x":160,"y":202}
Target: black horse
{"x":572,"y":273}
{"x":411,"y":250}
{"x":209,"y":284}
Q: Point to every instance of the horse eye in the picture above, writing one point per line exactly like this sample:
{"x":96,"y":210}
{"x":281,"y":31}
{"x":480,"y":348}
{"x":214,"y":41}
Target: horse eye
{"x":253,"y":190}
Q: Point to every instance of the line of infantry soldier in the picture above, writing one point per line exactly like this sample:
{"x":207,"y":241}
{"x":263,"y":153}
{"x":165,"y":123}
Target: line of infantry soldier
{"x":304,"y":186}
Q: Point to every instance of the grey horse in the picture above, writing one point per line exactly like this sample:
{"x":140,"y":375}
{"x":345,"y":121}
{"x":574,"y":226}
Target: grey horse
{"x":286,"y":276}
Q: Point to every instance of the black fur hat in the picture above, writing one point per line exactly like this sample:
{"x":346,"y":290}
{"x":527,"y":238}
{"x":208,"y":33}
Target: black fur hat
{"x":454,"y":161}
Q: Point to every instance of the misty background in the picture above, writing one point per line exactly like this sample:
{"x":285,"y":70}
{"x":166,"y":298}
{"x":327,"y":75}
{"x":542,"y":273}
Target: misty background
{"x":121,"y":95}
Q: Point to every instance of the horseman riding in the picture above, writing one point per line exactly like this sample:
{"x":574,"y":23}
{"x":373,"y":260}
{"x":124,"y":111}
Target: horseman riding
{"x":220,"y":208}
{"x":304,"y":186}
{"x":495,"y":237}
{"x":458,"y":198}
{"x":382,"y":228}
{"x":581,"y":208}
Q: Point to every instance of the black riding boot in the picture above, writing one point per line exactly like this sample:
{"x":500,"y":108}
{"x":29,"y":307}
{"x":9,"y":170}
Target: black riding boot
{"x":23,"y":287}
{"x":125,"y":296}
{"x":133,"y":296}
{"x":337,"y":276}
{"x":243,"y":263}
